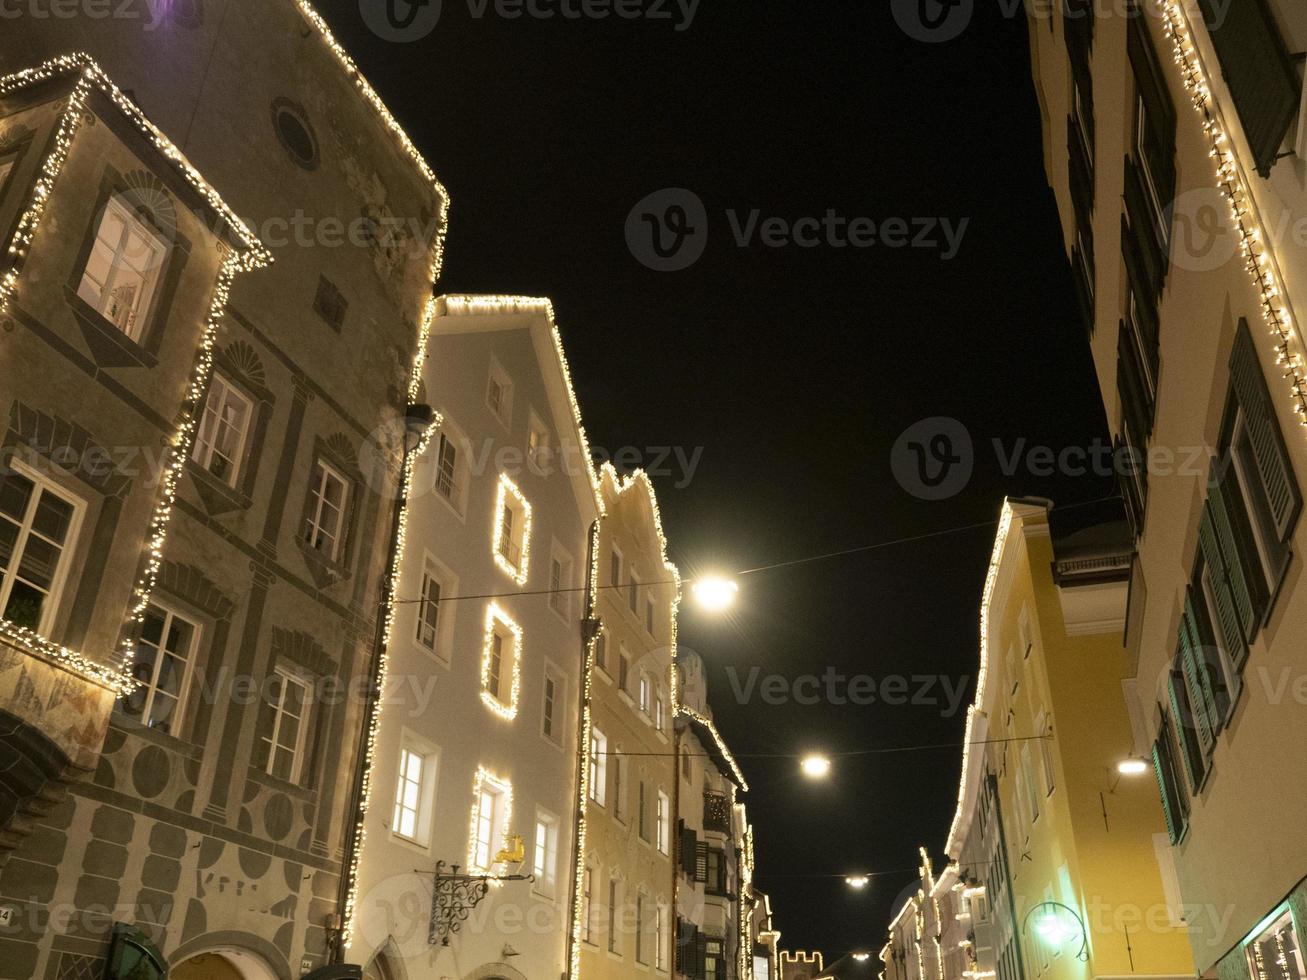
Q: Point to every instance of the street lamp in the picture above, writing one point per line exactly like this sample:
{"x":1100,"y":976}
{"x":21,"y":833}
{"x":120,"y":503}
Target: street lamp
{"x":815,"y":766}
{"x":862,"y":957}
{"x":857,"y":881}
{"x":715,"y":593}
{"x":1132,"y":767}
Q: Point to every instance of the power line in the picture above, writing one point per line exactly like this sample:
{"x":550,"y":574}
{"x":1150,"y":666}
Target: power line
{"x":887,"y":750}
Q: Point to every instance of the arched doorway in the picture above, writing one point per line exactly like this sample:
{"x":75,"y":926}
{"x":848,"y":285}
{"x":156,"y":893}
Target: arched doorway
{"x":224,"y":963}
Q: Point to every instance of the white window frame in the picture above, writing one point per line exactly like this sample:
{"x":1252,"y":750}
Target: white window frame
{"x":616,"y":565}
{"x":499,"y":792}
{"x":98,"y":300}
{"x":662,"y":822}
{"x":661,"y":936}
{"x":498,"y":378}
{"x":587,"y":902}
{"x":450,"y":482}
{"x":42,"y":485}
{"x":552,"y":710}
{"x":503,"y":702}
{"x":428,"y":769}
{"x":429,"y":615}
{"x":646,"y":694}
{"x":318,"y":501}
{"x":660,"y":712}
{"x":211,"y":417}
{"x":511,"y":539}
{"x":614,"y":909}
{"x":538,"y":447}
{"x":560,"y":581}
{"x":544,"y":854}
{"x":598,"y":766}
{"x":278,"y":714}
{"x":150,"y":685}
{"x":633,"y":593}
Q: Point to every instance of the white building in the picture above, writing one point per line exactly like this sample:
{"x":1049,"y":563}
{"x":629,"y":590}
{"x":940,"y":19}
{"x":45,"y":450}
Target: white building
{"x":476,"y":755}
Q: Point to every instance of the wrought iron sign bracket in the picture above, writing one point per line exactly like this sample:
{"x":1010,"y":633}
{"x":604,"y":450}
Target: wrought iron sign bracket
{"x":455,"y":896}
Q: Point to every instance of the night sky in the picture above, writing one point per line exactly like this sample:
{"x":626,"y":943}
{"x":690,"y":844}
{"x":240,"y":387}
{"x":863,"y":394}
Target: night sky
{"x":793,"y":370}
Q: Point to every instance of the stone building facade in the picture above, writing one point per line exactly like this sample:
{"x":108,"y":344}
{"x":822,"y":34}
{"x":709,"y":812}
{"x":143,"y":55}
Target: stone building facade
{"x":216,"y":812}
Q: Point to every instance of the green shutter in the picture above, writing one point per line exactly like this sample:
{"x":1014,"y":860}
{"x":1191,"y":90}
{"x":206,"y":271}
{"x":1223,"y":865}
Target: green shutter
{"x":1164,"y":778}
{"x":1206,"y":660}
{"x":1184,"y":731}
{"x":1227,"y":616}
{"x":1201,"y":712}
{"x":1235,"y":567}
{"x":1278,"y":485}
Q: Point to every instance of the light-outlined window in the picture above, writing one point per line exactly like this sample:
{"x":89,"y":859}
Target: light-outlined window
{"x":165,"y":651}
{"x":428,"y":618}
{"x":123,"y":269}
{"x":544,"y":853}
{"x":39,"y":522}
{"x":560,"y":582}
{"x":663,"y":822}
{"x":614,"y":908}
{"x":224,"y":430}
{"x":511,"y":541}
{"x":282,"y":726}
{"x":492,"y":809}
{"x":598,"y":776}
{"x":324,"y":525}
{"x":501,"y":663}
{"x":415,"y":784}
{"x":499,"y":392}
{"x":553,"y":704}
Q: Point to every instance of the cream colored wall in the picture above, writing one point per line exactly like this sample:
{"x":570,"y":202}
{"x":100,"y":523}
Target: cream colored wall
{"x":614,"y":845}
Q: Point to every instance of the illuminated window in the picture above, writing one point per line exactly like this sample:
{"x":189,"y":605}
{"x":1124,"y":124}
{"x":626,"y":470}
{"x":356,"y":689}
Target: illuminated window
{"x":324,"y":527}
{"x":544,"y":858}
{"x":615,"y":569}
{"x":161,"y":666}
{"x":492,"y":802}
{"x":512,"y":531}
{"x":38,"y":528}
{"x":598,"y":767}
{"x":1274,"y":953}
{"x":662,"y":823}
{"x":122,"y":271}
{"x":414,"y":786}
{"x":714,"y":965}
{"x":501,"y":663}
{"x":224,"y":426}
{"x":283,"y":720}
{"x":537,"y":443}
{"x":660,"y":713}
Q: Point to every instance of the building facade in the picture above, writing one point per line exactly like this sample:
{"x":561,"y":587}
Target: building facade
{"x":800,"y":964}
{"x":476,"y":750}
{"x":627,"y":879}
{"x":202,"y":475}
{"x":1174,"y":144}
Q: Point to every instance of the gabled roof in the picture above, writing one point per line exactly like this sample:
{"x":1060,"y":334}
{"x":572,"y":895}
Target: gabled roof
{"x":536,"y":314}
{"x":713,"y":744}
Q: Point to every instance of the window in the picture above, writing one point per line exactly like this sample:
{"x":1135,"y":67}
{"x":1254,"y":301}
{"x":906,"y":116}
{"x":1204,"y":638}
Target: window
{"x":163,"y":657}
{"x":646,"y":694}
{"x":614,"y":892}
{"x":324,"y":528}
{"x":512,"y":532}
{"x":122,"y":271}
{"x":633,"y":593}
{"x":1174,"y":800}
{"x":560,"y":578}
{"x":714,"y":963}
{"x":499,"y":393}
{"x":714,"y":870}
{"x":1028,"y":775}
{"x":660,"y":937}
{"x":642,"y":815}
{"x":1152,"y":148}
{"x":662,"y":823}
{"x":447,"y":481}
{"x":649,"y":615}
{"x":587,"y":904}
{"x":537,"y":444}
{"x":414,"y":783}
{"x":544,"y":858}
{"x":551,"y":725}
{"x":224,"y":426}
{"x":598,"y":767}
{"x":38,"y":527}
{"x":641,"y":956}
{"x":624,"y":669}
{"x":620,"y":771}
{"x":428,"y":620}
{"x":330,"y":304}
{"x":601,"y":649}
{"x":615,"y":569}
{"x":282,"y":724}
{"x":492,"y":801}
{"x":501,"y":663}
{"x":1274,"y":953}
{"x":1044,"y":729}
{"x":660,"y":713}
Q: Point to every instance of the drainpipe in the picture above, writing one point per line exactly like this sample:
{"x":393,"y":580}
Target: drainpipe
{"x":417,"y":420}
{"x":589,"y":629}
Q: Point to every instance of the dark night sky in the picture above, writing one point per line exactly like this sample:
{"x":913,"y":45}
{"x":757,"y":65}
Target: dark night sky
{"x":794,"y":369}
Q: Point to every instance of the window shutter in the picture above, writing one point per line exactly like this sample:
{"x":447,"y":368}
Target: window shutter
{"x":1209,"y":657}
{"x":689,"y":850}
{"x":701,"y":863}
{"x":1283,"y":499}
{"x":1230,"y":523}
{"x":1227,"y":614}
{"x":1184,"y":731}
{"x":1201,"y":702}
{"x":700,"y":955}
{"x":1257,"y":67}
{"x":1157,"y":101}
{"x":1167,"y":785}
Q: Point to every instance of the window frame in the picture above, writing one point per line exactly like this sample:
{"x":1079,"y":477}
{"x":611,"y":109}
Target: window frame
{"x":500,"y":791}
{"x":429,"y":762}
{"x":202,"y":454}
{"x":151,"y":686}
{"x":59,"y":580}
{"x":553,"y":706}
{"x":511,"y":550}
{"x":317,"y":501}
{"x":662,"y":821}
{"x":146,"y":305}
{"x":297,"y":754}
{"x":499,"y":625}
{"x":598,"y":776}
{"x":545,"y":866}
{"x":498,"y":377}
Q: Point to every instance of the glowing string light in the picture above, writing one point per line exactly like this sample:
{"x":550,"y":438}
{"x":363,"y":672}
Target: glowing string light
{"x":495,"y":616}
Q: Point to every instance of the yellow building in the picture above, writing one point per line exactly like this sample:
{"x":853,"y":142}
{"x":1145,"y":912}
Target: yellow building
{"x":626,"y":884}
{"x":1047,"y":731}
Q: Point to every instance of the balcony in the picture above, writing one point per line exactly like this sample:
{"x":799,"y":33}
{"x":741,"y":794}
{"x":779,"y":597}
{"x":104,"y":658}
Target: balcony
{"x":717,"y":812}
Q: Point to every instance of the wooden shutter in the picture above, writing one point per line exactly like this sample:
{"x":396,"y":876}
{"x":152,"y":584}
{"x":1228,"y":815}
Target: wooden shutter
{"x":1168,"y":784}
{"x":1258,"y":69}
{"x":689,"y":850}
{"x":1184,"y":730}
{"x":1227,"y":613}
{"x":701,"y":863}
{"x":1151,"y":85}
{"x":1280,"y":489}
{"x":1243,"y":567}
{"x":700,"y":954}
{"x":1202,"y":704}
